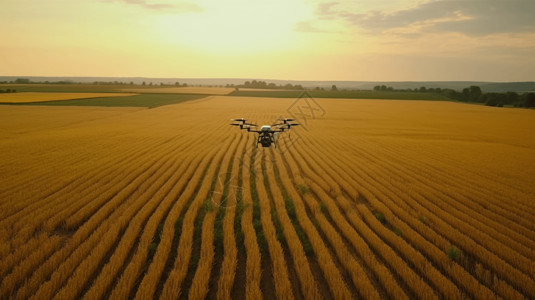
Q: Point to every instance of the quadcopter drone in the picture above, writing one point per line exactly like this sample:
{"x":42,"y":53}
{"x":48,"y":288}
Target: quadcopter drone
{"x":267,"y":133}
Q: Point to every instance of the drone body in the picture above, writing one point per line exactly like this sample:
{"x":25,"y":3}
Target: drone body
{"x":267,"y":133}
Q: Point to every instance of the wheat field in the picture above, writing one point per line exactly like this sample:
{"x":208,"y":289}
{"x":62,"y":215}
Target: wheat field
{"x":367,"y":199}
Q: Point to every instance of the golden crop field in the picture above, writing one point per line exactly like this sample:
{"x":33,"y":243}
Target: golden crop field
{"x":42,"y":97}
{"x":370,"y":199}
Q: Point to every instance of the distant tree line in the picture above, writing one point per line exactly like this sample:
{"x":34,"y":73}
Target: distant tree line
{"x":27,"y":81}
{"x":473,"y":94}
{"x":17,"y":81}
{"x":22,"y":80}
{"x":333,"y":88}
{"x":114,"y":82}
{"x":144,"y":83}
{"x":258,"y":84}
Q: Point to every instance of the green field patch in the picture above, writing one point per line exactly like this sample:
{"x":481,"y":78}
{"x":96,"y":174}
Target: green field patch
{"x":378,"y":95}
{"x":343,"y":94}
{"x":141,"y":100}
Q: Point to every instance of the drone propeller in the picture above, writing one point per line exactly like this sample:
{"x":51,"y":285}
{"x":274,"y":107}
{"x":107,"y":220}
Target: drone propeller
{"x":286,"y":126}
{"x":284,"y":121}
{"x":243,"y":122}
{"x":238,"y":124}
{"x":247,"y":126}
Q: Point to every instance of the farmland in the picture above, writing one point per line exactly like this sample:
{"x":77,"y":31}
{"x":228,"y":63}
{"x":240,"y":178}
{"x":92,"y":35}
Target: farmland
{"x":33,"y":97}
{"x":367,"y":199}
{"x":181,"y":90}
{"x":344,"y":94}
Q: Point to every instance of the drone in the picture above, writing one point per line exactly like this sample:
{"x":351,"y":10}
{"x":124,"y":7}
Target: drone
{"x":267,"y":133}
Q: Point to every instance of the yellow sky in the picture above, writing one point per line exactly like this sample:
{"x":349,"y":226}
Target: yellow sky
{"x":275,"y":39}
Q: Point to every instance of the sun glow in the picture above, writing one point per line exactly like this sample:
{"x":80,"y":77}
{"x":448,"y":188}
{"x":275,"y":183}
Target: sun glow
{"x":234,"y":26}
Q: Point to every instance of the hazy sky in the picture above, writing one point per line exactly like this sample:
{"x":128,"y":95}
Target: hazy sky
{"x":380,"y":40}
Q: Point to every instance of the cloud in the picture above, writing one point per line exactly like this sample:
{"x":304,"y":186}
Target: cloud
{"x":183,"y":7}
{"x":325,"y":9}
{"x":307,"y":26}
{"x":470,"y":17}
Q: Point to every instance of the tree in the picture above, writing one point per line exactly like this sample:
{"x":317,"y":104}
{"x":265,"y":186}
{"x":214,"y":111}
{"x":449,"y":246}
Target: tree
{"x":530,"y":100}
{"x":22,"y":80}
{"x":511,"y":98}
{"x":465,"y":94}
{"x":334,"y":88}
{"x":475,"y":94}
{"x":494,"y":99}
{"x":452,"y":94}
